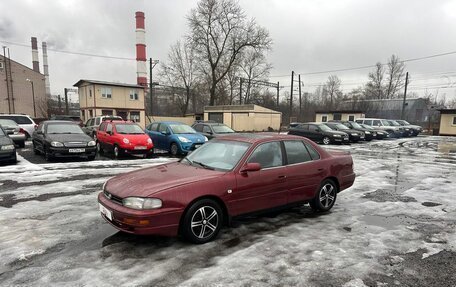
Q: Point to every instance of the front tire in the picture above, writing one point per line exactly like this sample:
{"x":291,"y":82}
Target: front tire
{"x":174,"y":149}
{"x":35,"y":150}
{"x":47,"y":155}
{"x":326,"y":140}
{"x":326,"y":196}
{"x":99,"y":148}
{"x":117,"y":151}
{"x":202,"y":221}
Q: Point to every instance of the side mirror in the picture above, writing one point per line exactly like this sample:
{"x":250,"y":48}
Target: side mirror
{"x":251,"y":166}
{"x":165,"y":133}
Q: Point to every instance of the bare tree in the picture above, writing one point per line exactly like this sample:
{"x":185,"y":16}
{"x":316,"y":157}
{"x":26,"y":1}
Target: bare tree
{"x":395,"y":77}
{"x":255,"y":67}
{"x":374,"y":88}
{"x":333,"y":91}
{"x":220,"y":31}
{"x":180,"y":72}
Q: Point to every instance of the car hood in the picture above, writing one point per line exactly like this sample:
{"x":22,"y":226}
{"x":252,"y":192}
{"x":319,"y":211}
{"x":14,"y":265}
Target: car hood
{"x":196,"y":138}
{"x":335,"y":133}
{"x":4,"y":140}
{"x":148,"y":181}
{"x":68,"y":137}
{"x":137,"y":139}
{"x":350,"y":131}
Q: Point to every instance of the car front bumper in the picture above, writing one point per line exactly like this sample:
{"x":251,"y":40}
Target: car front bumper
{"x":162,"y":221}
{"x":72,"y":151}
{"x":345,"y":139}
{"x":18,"y":137}
{"x":7,"y":155}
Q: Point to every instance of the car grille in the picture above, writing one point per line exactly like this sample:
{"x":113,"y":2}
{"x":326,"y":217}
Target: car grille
{"x":113,"y":198}
{"x":75,"y":144}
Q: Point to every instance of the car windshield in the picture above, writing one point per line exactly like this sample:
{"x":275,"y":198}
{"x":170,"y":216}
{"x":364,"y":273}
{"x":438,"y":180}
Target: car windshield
{"x":20,"y":120}
{"x":385,"y":123}
{"x":1,"y":132}
{"x":403,"y":123}
{"x":182,"y":129}
{"x":356,"y":125}
{"x":393,"y":123}
{"x":129,"y":129}
{"x":367,"y":127}
{"x":222,"y":129}
{"x":64,"y":129}
{"x":341,"y":126}
{"x":325,"y":128}
{"x":220,"y":155}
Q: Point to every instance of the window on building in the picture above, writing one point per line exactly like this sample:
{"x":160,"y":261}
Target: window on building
{"x":90,"y":114}
{"x":1,"y":66}
{"x":106,"y":92}
{"x":324,"y":119}
{"x":134,"y":96}
{"x":90,"y":93}
{"x":267,"y":155}
{"x":337,"y":117}
{"x":106,"y":112}
{"x":351,"y":118}
{"x":454,"y":120}
{"x":134,"y":116}
{"x":296,"y":152}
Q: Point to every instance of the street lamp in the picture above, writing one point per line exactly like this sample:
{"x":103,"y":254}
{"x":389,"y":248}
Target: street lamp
{"x":33,"y":97}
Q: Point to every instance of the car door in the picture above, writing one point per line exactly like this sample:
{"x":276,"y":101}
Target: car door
{"x":304,"y":170}
{"x":101,"y":135}
{"x":38,"y":137}
{"x":300,"y":130}
{"x":315,"y":133}
{"x":109,"y":138}
{"x":152,"y":131}
{"x":163,"y":136}
{"x":265,"y":188}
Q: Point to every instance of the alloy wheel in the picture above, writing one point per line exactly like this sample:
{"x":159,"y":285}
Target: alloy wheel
{"x":326,"y":140}
{"x":327,"y":195}
{"x":174,"y":149}
{"x":204,"y":222}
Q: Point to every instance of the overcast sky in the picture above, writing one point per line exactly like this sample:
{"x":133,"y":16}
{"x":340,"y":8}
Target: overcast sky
{"x":309,"y":36}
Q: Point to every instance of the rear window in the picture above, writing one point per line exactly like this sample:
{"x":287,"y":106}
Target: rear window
{"x":312,"y":151}
{"x":20,"y":120}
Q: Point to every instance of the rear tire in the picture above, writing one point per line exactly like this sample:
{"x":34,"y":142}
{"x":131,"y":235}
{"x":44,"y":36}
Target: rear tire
{"x":326,"y":196}
{"x":174,"y":149}
{"x":202,"y":221}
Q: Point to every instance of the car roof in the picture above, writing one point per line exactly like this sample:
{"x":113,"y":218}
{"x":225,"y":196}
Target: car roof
{"x":258,"y":137}
{"x":170,"y":122}
{"x":59,"y":122}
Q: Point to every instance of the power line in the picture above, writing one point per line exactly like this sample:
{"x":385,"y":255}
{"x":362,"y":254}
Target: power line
{"x":72,"y":52}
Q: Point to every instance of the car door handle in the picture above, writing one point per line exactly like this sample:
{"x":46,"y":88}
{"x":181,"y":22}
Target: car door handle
{"x":282,"y":176}
{"x":320,"y":169}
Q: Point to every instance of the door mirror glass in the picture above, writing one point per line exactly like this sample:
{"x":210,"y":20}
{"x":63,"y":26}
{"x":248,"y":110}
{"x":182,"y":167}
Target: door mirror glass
{"x":251,"y":166}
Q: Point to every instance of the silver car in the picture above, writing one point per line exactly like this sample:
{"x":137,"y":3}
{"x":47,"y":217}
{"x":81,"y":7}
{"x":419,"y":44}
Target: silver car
{"x":16,"y":133}
{"x":24,"y":121}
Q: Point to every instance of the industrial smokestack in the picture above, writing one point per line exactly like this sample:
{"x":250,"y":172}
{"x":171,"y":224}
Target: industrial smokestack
{"x":46,"y":70}
{"x":35,"y":61}
{"x":141,"y":67}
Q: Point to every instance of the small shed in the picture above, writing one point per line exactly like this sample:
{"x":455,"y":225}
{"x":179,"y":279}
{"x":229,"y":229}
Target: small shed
{"x":244,"y":118}
{"x":447,"y":122}
{"x":325,"y":116}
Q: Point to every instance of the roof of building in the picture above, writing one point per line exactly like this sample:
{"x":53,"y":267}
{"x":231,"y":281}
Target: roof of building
{"x":96,"y":82}
{"x":239,"y":108}
{"x":340,"y":112}
{"x":447,"y":111}
{"x":257,"y":137}
{"x":22,"y":65}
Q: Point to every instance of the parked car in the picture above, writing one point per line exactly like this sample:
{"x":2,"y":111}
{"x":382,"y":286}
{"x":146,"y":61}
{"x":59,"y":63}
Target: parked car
{"x":225,"y":178}
{"x":91,"y":126}
{"x":7,"y":148}
{"x":175,"y":137}
{"x":377,"y":133}
{"x":70,"y":118}
{"x":123,"y":137}
{"x":319,"y":132}
{"x":368,"y":135}
{"x":381,"y":124}
{"x":405,"y":132}
{"x":416,"y":130}
{"x":212,"y":129}
{"x":62,"y":139}
{"x":14,"y":131}
{"x":24,"y":121}
{"x":354,"y":135}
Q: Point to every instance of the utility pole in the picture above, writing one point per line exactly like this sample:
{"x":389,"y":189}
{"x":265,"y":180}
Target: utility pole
{"x":300,"y":101}
{"x":67,"y":110}
{"x":278,"y":88}
{"x":405,"y":96}
{"x":152,"y":64}
{"x":240,"y":91}
{"x":11,"y":79}
{"x":291,"y":94}
{"x":7,"y":80}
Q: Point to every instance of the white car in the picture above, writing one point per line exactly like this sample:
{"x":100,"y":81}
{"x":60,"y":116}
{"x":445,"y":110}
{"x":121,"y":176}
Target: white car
{"x":23,"y":121}
{"x":393,"y":131}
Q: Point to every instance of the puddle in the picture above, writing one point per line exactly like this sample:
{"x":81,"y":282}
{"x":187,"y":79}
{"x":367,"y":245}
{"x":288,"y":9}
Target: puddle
{"x":388,"y":222}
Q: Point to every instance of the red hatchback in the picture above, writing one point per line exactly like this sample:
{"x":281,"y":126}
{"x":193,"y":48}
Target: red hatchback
{"x":226,"y":177}
{"x":121,"y":137}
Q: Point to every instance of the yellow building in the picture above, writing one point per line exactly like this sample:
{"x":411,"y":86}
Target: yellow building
{"x":97,"y":98}
{"x":447,"y":122}
{"x":244,"y":118}
{"x":326,"y":116}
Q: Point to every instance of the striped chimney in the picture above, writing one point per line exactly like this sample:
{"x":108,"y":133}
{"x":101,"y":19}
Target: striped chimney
{"x":47,"y":85}
{"x":141,"y":67}
{"x":35,"y":61}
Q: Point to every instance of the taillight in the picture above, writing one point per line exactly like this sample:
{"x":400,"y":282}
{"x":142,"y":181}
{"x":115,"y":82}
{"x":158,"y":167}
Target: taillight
{"x":35,"y":127}
{"x":22,"y":131}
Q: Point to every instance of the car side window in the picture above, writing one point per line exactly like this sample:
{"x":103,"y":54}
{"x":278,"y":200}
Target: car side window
{"x":377,"y":123}
{"x":312,"y":151}
{"x":153,"y":127}
{"x":368,"y":122}
{"x":303,"y":127}
{"x":207,"y":129}
{"x":97,"y":121}
{"x":102,"y":127}
{"x":267,"y":155}
{"x":163,"y":128}
{"x":198,"y":128}
{"x":313,"y":128}
{"x":109,"y":128}
{"x":296,"y":152}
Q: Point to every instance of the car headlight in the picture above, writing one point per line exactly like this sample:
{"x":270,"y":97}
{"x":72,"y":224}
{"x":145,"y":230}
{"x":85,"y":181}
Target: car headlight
{"x":337,"y":136}
{"x":142,"y":203}
{"x":125,"y":141}
{"x":206,"y":139}
{"x":184,"y":140}
{"x":354,"y":134}
{"x":149,"y":141}
{"x":367,"y":133}
{"x":8,"y":147}
{"x":56,"y":144}
{"x":91,"y":143}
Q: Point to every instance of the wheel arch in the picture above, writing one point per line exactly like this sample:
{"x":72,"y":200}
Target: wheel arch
{"x":335,"y":180}
{"x":217,"y":199}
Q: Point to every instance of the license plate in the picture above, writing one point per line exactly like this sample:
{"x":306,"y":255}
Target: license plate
{"x":140,"y":147}
{"x":76,"y":150}
{"x":197,"y":146}
{"x":105,"y":211}
{"x":345,"y":139}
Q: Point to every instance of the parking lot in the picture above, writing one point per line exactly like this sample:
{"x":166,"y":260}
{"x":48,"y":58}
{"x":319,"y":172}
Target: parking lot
{"x":394,"y":227}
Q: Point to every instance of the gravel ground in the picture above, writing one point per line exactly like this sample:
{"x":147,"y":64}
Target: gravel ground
{"x":394,"y":227}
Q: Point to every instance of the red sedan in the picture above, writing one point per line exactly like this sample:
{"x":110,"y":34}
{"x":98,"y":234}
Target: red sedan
{"x":123,"y":137}
{"x":224,"y":178}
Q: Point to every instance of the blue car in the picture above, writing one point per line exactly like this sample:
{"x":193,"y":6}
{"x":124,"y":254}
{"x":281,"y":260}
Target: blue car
{"x":175,"y":137}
